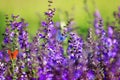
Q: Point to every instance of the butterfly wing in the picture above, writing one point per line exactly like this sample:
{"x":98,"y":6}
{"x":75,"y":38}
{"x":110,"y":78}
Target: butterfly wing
{"x":10,"y":54}
{"x":60,"y":37}
{"x":15,"y":53}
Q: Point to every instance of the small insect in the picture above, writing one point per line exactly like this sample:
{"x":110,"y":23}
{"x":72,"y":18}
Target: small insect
{"x":60,"y":37}
{"x":13,"y":54}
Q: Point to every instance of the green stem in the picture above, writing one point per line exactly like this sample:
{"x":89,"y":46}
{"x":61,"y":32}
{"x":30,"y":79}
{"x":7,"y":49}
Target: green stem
{"x":13,"y":67}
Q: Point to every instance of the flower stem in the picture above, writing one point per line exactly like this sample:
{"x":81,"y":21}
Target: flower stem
{"x":13,"y":67}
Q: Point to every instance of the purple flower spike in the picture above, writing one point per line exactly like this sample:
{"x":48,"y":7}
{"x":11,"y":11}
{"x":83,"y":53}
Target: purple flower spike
{"x":98,"y":24}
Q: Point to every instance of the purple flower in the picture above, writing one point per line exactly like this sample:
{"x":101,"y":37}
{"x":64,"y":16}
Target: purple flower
{"x":77,"y":74}
{"x":97,"y":14}
{"x":8,"y":77}
{"x":98,"y":24}
{"x":109,"y":42}
{"x":1,"y":55}
{"x":90,"y":75}
{"x":7,"y":37}
{"x":23,"y":39}
{"x":44,"y":24}
{"x":2,"y":77}
{"x":49,"y":13}
{"x":110,"y":31}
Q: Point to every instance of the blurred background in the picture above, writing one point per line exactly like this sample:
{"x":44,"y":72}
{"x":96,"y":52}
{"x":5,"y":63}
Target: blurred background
{"x":81,"y":10}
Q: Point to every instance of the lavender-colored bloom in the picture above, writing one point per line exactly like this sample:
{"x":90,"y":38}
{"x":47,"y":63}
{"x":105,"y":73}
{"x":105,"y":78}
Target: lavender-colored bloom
{"x":110,"y":31}
{"x":2,"y":77}
{"x":49,"y":13}
{"x":12,"y":34}
{"x":51,"y":30}
{"x":23,"y":39}
{"x":18,"y":25}
{"x":90,"y":75}
{"x":44,"y":24}
{"x":97,"y":14}
{"x":6,"y":40}
{"x":57,"y":24}
{"x":77,"y":74}
{"x":14,"y":25}
{"x":76,"y":43}
{"x":8,"y":77}
{"x":98,"y":24}
{"x":6,"y":37}
{"x":1,"y":55}
{"x":109,"y":42}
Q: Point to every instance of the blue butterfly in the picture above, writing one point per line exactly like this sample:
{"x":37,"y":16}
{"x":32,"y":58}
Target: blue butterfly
{"x":60,"y":37}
